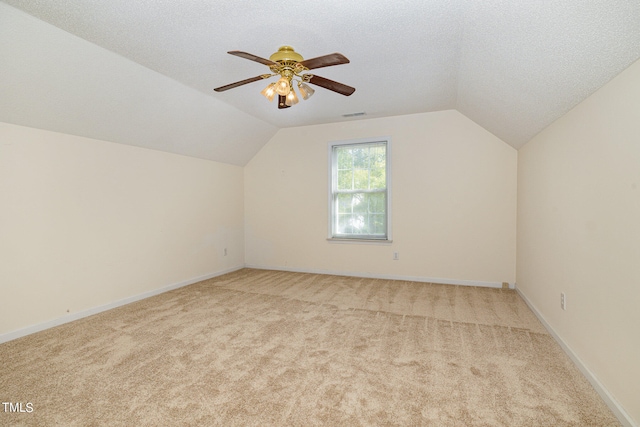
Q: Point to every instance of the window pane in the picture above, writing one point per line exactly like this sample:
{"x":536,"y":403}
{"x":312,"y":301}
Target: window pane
{"x":361,"y":179}
{"x":377,"y":203}
{"x":345,"y":180}
{"x":378,"y":179}
{"x":345,"y":159}
{"x":377,"y":224}
{"x":361,"y":214}
{"x":360,"y":203}
{"x":361,"y":157}
{"x":344,"y":224}
{"x":344,"y":203}
{"x":359,"y":224}
{"x":378,"y":156}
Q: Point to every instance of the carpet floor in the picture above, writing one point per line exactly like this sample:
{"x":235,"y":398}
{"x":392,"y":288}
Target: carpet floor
{"x":273,"y":348}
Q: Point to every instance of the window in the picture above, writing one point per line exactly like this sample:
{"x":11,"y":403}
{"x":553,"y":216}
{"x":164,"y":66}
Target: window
{"x":359,"y":190}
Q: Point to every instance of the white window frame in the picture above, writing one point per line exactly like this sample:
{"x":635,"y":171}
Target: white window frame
{"x":332,"y":186}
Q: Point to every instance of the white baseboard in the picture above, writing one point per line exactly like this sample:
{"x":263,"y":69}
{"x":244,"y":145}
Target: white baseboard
{"x":610,"y":401}
{"x":91,"y":311}
{"x":439,"y":280}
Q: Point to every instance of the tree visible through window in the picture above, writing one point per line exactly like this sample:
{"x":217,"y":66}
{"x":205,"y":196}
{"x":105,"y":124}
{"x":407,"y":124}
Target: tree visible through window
{"x":359,"y":195}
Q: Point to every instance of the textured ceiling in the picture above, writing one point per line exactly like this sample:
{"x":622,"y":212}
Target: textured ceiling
{"x":512,"y":67}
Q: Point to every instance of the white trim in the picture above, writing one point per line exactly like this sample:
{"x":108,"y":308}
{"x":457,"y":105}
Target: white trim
{"x":9,"y":336}
{"x":359,"y":241}
{"x":438,"y":280}
{"x":609,"y":400}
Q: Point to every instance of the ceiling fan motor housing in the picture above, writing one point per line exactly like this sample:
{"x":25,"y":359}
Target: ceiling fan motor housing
{"x":286,"y":54}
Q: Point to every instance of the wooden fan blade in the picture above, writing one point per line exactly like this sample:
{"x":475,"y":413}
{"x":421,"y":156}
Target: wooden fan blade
{"x":331,"y":85}
{"x":240,"y":83}
{"x":325,"y":61}
{"x":282,"y":102}
{"x":252,"y":57}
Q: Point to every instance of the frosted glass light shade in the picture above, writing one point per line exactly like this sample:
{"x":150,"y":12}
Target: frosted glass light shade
{"x":283,"y":87}
{"x":292,"y":98}
{"x":305,"y":90}
{"x":269,"y":92}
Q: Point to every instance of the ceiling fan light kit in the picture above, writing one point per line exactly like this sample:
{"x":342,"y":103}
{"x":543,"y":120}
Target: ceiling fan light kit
{"x":291,"y":66}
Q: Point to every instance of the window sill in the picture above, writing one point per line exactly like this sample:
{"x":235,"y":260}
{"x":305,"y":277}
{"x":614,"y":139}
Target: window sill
{"x":359,"y":241}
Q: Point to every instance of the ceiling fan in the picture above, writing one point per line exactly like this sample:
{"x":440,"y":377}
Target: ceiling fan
{"x":291,"y":67}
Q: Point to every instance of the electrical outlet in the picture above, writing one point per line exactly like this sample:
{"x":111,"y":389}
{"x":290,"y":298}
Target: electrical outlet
{"x":563,"y":301}
{"x":396,"y":256}
{"x":505,"y":285}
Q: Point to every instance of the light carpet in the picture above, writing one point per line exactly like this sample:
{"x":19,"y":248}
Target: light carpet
{"x":272,"y":348}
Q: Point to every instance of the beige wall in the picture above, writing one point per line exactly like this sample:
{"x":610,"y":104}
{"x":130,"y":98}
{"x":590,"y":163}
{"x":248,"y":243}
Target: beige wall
{"x":579,"y":232}
{"x":453,"y":201}
{"x":84,"y":223}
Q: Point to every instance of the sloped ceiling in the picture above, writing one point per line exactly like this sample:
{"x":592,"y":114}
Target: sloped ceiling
{"x":142,"y":72}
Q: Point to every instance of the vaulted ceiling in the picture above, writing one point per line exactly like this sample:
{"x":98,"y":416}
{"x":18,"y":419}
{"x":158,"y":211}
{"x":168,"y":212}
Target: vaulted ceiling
{"x":142,"y":72}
